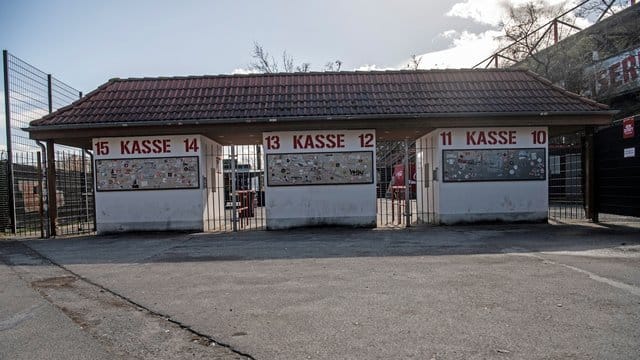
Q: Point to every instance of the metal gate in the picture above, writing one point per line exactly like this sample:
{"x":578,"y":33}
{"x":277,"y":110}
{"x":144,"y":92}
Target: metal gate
{"x":396,"y":183}
{"x":617,"y":162}
{"x":241,"y":200}
{"x":566,"y":177}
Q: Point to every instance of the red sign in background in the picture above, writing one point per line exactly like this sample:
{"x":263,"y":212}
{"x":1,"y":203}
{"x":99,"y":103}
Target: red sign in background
{"x":628,"y":130}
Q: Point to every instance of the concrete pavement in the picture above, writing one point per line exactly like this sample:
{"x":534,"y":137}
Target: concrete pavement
{"x":32,"y":328}
{"x":521,"y":292}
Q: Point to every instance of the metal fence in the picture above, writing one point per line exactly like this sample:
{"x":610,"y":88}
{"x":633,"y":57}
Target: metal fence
{"x":29,"y":94}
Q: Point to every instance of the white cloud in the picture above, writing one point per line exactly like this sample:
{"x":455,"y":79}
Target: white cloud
{"x":482,"y":11}
{"x":374,"y":67}
{"x":467,"y":50}
{"x":492,"y":12}
{"x":242,"y":71}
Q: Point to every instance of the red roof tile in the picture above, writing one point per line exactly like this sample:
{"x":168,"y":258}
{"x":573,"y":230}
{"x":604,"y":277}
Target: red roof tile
{"x":313,"y":95}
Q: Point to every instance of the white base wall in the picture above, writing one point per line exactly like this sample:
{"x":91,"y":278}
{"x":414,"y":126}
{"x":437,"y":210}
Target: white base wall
{"x":345,"y":205}
{"x":493,"y":201}
{"x":149,"y":211}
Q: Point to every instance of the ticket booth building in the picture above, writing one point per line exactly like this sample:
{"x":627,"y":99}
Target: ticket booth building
{"x":481,"y":143}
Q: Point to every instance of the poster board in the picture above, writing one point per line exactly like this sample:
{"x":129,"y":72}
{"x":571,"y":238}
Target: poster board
{"x":147,"y":174}
{"x":494,"y":165}
{"x":325,"y":168}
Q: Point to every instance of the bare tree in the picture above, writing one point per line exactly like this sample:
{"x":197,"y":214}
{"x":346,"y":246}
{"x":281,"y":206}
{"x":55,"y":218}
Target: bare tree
{"x":599,"y":9}
{"x":287,"y":62}
{"x":536,"y":24}
{"x":263,"y":62}
{"x":532,"y":34}
{"x":414,"y":62}
{"x":522,"y":30}
{"x":304,"y":67}
{"x":333,"y":65}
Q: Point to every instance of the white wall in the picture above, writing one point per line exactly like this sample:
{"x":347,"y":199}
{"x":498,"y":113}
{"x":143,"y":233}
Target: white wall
{"x":508,"y":201}
{"x":154,"y":210}
{"x":313,"y":205}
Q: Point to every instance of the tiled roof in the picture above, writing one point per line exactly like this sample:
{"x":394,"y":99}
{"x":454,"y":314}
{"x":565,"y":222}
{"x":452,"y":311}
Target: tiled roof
{"x":239,"y":98}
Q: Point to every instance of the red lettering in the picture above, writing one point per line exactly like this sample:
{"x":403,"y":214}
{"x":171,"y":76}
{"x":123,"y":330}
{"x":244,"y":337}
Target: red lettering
{"x":331,"y":138}
{"x":146,"y":148}
{"x":320,"y":141}
{"x":503,"y":137}
{"x":297,"y":144}
{"x":512,"y":137}
{"x":470,"y":139}
{"x":135,"y":147}
{"x":366,"y":140}
{"x":482,"y":139}
{"x":157,"y":146}
{"x":492,"y":138}
{"x":340,"y":140}
{"x":102,"y":148}
{"x":124,"y":147}
{"x":308,"y":142}
{"x":614,"y":73}
{"x":446,"y":138}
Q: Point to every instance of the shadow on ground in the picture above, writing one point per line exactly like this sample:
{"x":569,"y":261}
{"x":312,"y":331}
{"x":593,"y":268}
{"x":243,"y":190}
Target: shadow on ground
{"x":327,"y":243}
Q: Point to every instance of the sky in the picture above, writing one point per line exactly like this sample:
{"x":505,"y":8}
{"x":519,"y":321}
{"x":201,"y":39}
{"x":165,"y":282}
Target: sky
{"x":85,"y":43}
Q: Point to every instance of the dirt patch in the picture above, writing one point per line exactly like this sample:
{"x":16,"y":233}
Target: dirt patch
{"x":79,"y":318}
{"x":55,"y":282}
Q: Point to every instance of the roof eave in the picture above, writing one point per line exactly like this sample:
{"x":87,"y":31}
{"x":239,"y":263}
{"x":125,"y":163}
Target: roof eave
{"x":78,"y":126}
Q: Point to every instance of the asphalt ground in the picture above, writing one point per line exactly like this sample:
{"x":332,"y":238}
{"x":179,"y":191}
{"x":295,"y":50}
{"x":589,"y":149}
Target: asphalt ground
{"x":32,"y":328}
{"x":473,"y":292}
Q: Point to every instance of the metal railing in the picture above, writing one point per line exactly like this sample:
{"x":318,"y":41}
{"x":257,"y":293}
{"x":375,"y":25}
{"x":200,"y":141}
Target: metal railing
{"x":548,"y":34}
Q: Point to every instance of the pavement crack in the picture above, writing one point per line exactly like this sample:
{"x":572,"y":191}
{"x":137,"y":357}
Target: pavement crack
{"x":49,"y":285}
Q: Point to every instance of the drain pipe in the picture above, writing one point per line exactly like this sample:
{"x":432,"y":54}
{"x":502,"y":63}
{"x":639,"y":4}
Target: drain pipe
{"x":44,"y":194}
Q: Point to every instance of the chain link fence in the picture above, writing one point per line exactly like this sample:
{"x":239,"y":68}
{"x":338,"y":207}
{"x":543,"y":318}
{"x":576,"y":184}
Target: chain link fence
{"x":30,"y":94}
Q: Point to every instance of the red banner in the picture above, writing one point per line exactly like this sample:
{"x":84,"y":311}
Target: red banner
{"x":628,"y":128}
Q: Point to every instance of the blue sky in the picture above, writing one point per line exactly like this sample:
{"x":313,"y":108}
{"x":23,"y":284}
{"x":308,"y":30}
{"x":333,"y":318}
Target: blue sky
{"x":84,"y":43}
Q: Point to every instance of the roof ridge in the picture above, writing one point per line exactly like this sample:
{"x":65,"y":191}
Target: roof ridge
{"x":314,"y":73}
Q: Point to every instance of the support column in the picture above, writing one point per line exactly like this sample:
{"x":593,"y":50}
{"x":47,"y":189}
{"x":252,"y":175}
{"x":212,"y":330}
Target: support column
{"x":7,"y":113}
{"x":407,"y":185}
{"x":590,"y":187}
{"x":234,"y":199}
{"x":51,"y":187}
